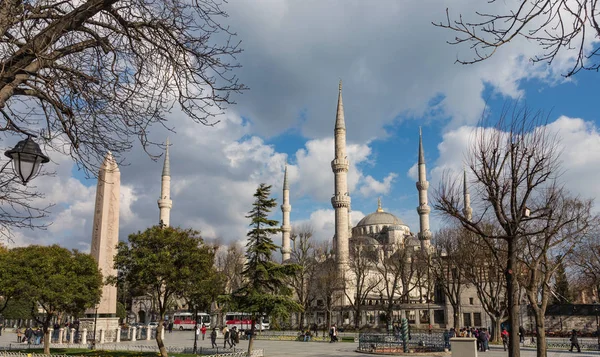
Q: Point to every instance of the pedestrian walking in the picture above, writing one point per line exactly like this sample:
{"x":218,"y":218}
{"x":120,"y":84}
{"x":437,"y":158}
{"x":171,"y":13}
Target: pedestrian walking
{"x":232,"y":335}
{"x":574,"y":341}
{"x":203,"y":331}
{"x":170,"y":327}
{"x":504,"y":336}
{"x":333,"y":334}
{"x":521,"y":334}
{"x":447,"y":339}
{"x":213,"y":337}
{"x":19,"y":335}
{"x":226,"y":337}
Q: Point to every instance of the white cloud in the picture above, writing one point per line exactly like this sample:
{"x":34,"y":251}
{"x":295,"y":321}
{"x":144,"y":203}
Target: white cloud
{"x":372,"y":187}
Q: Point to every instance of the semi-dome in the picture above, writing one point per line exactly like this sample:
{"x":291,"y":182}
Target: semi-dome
{"x":380,"y":217}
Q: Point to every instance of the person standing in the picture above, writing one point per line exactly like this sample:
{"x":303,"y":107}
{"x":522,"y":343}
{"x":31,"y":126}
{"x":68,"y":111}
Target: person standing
{"x":170,"y":326}
{"x":521,"y":334}
{"x":213,"y":337}
{"x":574,"y":341}
{"x":447,"y":339}
{"x":504,"y":336}
{"x":203,"y":331}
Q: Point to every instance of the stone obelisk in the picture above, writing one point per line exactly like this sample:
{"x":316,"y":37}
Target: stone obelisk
{"x":105,"y":237}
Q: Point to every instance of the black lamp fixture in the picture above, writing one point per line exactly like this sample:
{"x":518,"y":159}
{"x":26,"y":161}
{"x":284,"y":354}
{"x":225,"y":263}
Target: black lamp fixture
{"x":27,"y":159}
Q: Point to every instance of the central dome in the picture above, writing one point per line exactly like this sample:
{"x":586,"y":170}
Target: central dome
{"x":380,"y":218}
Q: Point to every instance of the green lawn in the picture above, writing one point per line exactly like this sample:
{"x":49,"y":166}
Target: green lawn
{"x":99,"y":353}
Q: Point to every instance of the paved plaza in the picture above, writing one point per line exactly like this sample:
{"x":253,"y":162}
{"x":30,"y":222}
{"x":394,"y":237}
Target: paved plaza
{"x":293,"y":348}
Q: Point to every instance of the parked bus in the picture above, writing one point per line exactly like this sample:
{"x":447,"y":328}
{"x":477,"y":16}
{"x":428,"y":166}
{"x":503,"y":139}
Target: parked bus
{"x":185,"y":320}
{"x":243,"y":321}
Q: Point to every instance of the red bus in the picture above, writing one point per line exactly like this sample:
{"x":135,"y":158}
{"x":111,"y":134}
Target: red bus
{"x":243,"y":321}
{"x":185,"y":320}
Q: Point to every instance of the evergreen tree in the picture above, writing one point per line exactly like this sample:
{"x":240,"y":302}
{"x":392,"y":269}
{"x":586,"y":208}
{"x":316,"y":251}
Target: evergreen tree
{"x":562,"y":293}
{"x":264,"y":291}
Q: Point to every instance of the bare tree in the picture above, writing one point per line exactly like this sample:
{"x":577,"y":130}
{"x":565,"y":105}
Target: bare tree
{"x":555,"y":25}
{"x":397,"y":269}
{"x":327,"y":283}
{"x":514,"y":166}
{"x":447,"y":267}
{"x":20,"y":206}
{"x":303,"y":255}
{"x":485,"y":271}
{"x":585,"y":262}
{"x":362,"y":277}
{"x":565,"y":224}
{"x":92,"y":75}
{"x":231,"y":264}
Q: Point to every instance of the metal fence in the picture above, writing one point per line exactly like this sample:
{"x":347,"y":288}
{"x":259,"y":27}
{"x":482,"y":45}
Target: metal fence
{"x":565,"y":343}
{"x":5,"y":351}
{"x":390,"y":343}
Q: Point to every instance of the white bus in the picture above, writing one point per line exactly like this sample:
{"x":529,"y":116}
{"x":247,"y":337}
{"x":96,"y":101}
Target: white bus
{"x":185,"y":320}
{"x":243,"y":321}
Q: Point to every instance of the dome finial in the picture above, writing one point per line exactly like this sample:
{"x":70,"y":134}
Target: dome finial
{"x":379,"y":209}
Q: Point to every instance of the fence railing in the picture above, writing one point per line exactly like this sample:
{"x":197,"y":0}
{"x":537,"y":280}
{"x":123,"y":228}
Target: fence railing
{"x":390,"y":343}
{"x":6,"y":351}
{"x":565,"y":343}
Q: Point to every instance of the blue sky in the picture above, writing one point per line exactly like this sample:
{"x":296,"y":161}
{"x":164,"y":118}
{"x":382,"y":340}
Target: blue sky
{"x":398,"y":73}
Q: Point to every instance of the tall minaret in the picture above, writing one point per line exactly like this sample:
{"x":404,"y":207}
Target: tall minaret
{"x":341,"y":198}
{"x":467,"y":210}
{"x":164,"y":202}
{"x":286,"y":208}
{"x":423,"y":209}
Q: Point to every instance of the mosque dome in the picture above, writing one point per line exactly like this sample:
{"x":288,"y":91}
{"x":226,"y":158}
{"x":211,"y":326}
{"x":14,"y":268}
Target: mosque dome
{"x":380,"y":218}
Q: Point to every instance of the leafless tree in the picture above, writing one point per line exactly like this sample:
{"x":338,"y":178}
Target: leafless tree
{"x":555,"y":25}
{"x":514,"y":166}
{"x":304,"y":255}
{"x":93,"y":75}
{"x":585,"y":262}
{"x":447,"y":267}
{"x":327,"y":283}
{"x":231,"y":264}
{"x":397,"y":269}
{"x":565,"y":223}
{"x":361,"y":278}
{"x":20,"y":207}
{"x":484,"y":271}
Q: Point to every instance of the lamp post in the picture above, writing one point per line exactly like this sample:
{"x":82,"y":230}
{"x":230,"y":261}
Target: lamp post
{"x":597,"y":327}
{"x":27,"y":159}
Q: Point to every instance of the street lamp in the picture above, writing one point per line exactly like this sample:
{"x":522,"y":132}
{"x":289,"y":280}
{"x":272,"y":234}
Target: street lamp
{"x":27,"y":159}
{"x":597,"y":327}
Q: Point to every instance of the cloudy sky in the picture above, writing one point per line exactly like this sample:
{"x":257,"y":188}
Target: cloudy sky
{"x":398,"y":74}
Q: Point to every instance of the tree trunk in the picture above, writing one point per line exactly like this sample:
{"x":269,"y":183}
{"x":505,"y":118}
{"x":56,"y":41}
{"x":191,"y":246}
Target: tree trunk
{"x":159,"y":340}
{"x":511,"y":290}
{"x":46,"y":341}
{"x":496,"y":333}
{"x":301,"y":322}
{"x":540,"y":330}
{"x":251,"y":340}
{"x":456,"y":314}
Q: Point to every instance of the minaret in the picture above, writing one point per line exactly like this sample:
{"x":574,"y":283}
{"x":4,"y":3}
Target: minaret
{"x":423,"y":209}
{"x":341,"y":198}
{"x":467,"y":210}
{"x":286,"y":208}
{"x":164,"y":202}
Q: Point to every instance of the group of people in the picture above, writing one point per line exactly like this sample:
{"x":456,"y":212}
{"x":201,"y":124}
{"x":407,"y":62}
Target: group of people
{"x":231,"y":337}
{"x":30,"y":335}
{"x":333,"y":334}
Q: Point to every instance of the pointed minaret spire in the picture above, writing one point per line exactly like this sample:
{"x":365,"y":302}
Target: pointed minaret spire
{"x":379,"y":209}
{"x":341,"y":198}
{"x":423,"y":209}
{"x":467,"y":211}
{"x":339,"y":118}
{"x":164,"y":202}
{"x":286,"y":208}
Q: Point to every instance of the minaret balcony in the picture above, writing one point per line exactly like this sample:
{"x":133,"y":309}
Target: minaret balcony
{"x":423,"y":209}
{"x":286,"y":208}
{"x":424,"y":235}
{"x":340,"y":165}
{"x":286,"y":229}
{"x":165,"y":203}
{"x":338,"y":201}
{"x":422,"y":185}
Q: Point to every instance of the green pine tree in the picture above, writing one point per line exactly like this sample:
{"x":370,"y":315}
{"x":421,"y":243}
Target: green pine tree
{"x":264,"y":291}
{"x":562,"y":293}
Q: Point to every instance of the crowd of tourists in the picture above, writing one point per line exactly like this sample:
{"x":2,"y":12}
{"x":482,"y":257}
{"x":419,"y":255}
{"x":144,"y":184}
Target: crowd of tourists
{"x":481,"y":335}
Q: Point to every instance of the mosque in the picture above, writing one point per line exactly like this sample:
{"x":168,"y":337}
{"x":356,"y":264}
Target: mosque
{"x":426,"y":306}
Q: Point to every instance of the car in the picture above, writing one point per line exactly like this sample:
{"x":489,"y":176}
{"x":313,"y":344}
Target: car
{"x":153,"y":324}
